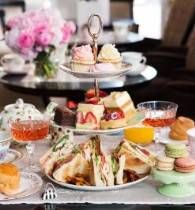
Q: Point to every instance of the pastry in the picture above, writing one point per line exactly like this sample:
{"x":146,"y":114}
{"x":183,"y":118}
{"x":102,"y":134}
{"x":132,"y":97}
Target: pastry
{"x":180,"y":127}
{"x":82,"y":58}
{"x":113,"y":118}
{"x":88,"y":116}
{"x":109,"y":54}
{"x":137,"y":165}
{"x":176,"y":150}
{"x":185,"y":165}
{"x":64,"y":116}
{"x":119,"y":108}
{"x":9,"y":178}
{"x":165,"y":163}
{"x":104,"y":67}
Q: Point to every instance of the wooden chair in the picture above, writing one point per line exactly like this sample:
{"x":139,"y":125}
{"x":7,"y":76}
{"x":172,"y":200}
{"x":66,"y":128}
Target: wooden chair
{"x":13,"y":3}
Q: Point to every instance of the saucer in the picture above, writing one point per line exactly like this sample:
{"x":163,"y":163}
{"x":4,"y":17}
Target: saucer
{"x":11,"y":156}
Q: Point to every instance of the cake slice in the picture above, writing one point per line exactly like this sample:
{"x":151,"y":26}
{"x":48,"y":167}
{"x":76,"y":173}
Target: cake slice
{"x":120,"y":100}
{"x":88,"y":116}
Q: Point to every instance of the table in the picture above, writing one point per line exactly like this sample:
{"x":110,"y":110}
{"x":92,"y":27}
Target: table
{"x":129,"y":196}
{"x":68,"y":86}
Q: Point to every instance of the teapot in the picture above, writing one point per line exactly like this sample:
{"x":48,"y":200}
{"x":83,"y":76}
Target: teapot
{"x":18,"y":111}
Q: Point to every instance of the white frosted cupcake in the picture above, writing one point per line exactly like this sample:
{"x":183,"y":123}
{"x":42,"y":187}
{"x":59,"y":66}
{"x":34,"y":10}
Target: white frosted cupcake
{"x":82,"y":58}
{"x":109,"y":54}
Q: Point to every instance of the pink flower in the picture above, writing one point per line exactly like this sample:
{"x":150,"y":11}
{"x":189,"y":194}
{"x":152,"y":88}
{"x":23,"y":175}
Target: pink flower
{"x":44,"y":39}
{"x":68,"y":29}
{"x":25,"y":40}
{"x":71,"y":26}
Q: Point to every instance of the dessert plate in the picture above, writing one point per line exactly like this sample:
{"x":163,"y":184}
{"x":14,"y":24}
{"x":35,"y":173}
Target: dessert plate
{"x":135,"y":120}
{"x":96,"y":188}
{"x":30,"y":183}
{"x":11,"y":156}
{"x":126,"y":67}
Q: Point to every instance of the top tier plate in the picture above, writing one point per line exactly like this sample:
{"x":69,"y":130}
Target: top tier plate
{"x":125,"y":67}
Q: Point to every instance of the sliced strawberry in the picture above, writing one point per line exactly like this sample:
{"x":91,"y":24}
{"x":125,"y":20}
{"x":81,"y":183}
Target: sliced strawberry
{"x":93,"y":100}
{"x":113,"y":114}
{"x":145,"y":152}
{"x":80,"y":118}
{"x":90,"y":118}
{"x":91,"y":93}
{"x":71,"y":104}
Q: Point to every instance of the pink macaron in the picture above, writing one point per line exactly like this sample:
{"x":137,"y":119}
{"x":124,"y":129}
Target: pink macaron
{"x":185,"y":165}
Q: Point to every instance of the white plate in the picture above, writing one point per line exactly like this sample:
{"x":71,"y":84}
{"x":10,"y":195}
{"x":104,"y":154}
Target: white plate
{"x":26,"y":69}
{"x":137,"y":70}
{"x":11,"y":156}
{"x":136,"y":119}
{"x":104,"y":74}
{"x":95,"y":188}
{"x":30,"y":183}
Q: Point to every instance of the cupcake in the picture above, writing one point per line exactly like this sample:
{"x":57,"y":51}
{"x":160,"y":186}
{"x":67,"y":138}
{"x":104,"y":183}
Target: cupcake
{"x":109,"y":54}
{"x":82,"y":58}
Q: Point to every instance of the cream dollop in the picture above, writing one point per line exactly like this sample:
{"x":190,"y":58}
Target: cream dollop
{"x":82,"y":53}
{"x":109,"y":52}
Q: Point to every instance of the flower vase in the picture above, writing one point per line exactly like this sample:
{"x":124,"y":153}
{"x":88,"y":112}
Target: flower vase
{"x":45,"y":68}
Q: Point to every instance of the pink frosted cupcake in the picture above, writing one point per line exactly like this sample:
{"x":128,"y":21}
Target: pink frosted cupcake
{"x":82,"y":58}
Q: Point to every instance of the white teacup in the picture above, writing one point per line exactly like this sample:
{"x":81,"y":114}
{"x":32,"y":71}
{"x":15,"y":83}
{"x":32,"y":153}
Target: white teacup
{"x":12,"y":63}
{"x":191,"y":140}
{"x":121,"y":29}
{"x":136,"y":59}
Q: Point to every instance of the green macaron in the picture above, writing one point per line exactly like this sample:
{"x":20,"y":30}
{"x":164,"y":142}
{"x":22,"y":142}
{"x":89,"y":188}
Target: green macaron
{"x":176,"y":150}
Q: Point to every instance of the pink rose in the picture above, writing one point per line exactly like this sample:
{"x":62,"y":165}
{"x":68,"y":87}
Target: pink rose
{"x":25,"y":40}
{"x":71,"y":26}
{"x":68,"y":29}
{"x":44,"y":39}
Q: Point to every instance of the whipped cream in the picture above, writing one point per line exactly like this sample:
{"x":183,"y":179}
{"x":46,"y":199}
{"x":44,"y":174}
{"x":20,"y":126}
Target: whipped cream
{"x":109,"y":52}
{"x":82,"y":53}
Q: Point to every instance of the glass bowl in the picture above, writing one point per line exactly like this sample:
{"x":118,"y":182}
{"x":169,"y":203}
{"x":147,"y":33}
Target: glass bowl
{"x":158,"y":113}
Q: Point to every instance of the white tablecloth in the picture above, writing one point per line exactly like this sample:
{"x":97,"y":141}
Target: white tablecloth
{"x":142,"y":193}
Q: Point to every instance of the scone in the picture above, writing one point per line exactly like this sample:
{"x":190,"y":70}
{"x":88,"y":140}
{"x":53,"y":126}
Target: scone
{"x":82,"y":58}
{"x":109,"y":54}
{"x":180,"y":127}
{"x":9,"y":179}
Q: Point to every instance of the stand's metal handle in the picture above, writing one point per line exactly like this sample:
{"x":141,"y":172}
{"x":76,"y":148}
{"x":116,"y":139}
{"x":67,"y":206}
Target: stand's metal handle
{"x":94,"y":36}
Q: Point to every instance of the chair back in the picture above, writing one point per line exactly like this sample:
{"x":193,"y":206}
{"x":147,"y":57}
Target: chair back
{"x":179,"y":23}
{"x":190,"y":60}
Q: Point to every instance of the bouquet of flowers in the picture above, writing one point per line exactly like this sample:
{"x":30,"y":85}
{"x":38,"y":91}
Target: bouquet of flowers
{"x":35,"y":34}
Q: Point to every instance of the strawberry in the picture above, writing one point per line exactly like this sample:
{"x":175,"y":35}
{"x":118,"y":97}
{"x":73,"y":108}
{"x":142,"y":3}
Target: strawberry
{"x":80,"y":118}
{"x":114,"y":114}
{"x":91,"y":93}
{"x":145,"y":152}
{"x":71,"y":104}
{"x":90,"y":118}
{"x":93,"y":100}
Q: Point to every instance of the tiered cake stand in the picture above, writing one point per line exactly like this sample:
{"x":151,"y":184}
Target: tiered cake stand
{"x":175,"y":184}
{"x":97,"y":75}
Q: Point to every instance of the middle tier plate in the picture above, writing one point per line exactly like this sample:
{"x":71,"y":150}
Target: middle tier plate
{"x":125,"y":67}
{"x":134,"y":121}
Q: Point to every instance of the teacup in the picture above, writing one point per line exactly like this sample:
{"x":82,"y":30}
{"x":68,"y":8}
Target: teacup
{"x":12,"y":63}
{"x":5,"y":140}
{"x":136,"y":59}
{"x":191,"y":140}
{"x":121,"y":29}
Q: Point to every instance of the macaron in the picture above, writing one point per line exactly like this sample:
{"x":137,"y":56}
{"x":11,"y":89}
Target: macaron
{"x":185,"y":165}
{"x":176,"y":150}
{"x":165,"y":163}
